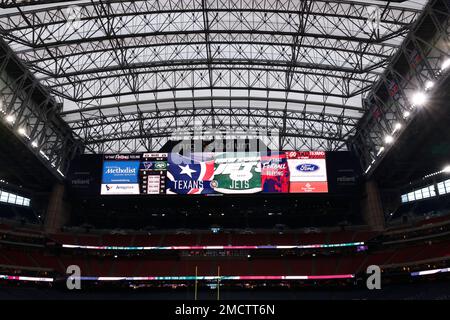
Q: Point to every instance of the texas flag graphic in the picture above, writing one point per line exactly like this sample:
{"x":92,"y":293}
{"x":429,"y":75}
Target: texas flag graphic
{"x":189,"y":175}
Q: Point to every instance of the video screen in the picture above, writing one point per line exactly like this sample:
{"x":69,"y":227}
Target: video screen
{"x":215,"y":173}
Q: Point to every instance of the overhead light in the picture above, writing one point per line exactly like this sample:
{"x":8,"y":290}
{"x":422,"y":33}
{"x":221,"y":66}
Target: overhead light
{"x":34,"y":144}
{"x":44,"y":155}
{"x":22,"y":131}
{"x":62,"y":174}
{"x":419,"y":98}
{"x":397,"y":127}
{"x":10,"y":118}
{"x":429,"y":84}
{"x":380,"y":151}
{"x":445,"y":64}
{"x":368,"y":168}
{"x":406,"y":114}
{"x":389,"y":139}
{"x":446,"y":169}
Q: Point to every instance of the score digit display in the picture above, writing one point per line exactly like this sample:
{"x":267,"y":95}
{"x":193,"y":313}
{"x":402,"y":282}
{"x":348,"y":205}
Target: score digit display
{"x":215,"y":173}
{"x":153,"y":171}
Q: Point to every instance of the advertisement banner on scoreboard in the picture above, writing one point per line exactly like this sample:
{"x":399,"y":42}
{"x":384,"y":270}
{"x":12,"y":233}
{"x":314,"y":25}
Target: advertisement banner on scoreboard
{"x":237,"y":173}
{"x":275,"y":173}
{"x":117,"y":189}
{"x":120,"y":176}
{"x":308,"y":172}
{"x":120,"y":172}
{"x":190,"y":175}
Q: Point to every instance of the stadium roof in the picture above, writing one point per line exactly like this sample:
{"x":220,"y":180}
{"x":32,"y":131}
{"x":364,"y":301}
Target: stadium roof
{"x":130,"y":73}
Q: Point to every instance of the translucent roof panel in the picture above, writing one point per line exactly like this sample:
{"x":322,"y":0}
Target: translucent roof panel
{"x":131,"y":72}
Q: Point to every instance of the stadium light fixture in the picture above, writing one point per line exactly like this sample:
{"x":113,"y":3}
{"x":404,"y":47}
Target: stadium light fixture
{"x":445,"y":64}
{"x":389,"y":139}
{"x":406,"y":114}
{"x":419,"y":99}
{"x":380,"y":151}
{"x":44,"y":155}
{"x":22,"y":131}
{"x":446,"y":169}
{"x":429,"y":84}
{"x":34,"y":144}
{"x":397,"y":127}
{"x":10,"y":118}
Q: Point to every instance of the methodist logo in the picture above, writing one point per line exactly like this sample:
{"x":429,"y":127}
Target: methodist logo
{"x":307,"y":167}
{"x":120,"y":172}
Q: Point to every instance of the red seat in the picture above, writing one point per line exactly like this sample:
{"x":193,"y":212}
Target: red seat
{"x":46,"y":261}
{"x":350,"y":264}
{"x":300,"y":267}
{"x":312,"y":238}
{"x":286,"y":239}
{"x":341,"y":237}
{"x":215,"y":240}
{"x":179,"y":240}
{"x":324,"y":265}
{"x":250,"y":239}
{"x":88,"y":240}
{"x":143,"y":240}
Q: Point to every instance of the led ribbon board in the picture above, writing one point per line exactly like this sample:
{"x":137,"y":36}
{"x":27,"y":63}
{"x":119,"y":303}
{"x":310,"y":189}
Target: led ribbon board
{"x":309,"y":246}
{"x":221,"y":278}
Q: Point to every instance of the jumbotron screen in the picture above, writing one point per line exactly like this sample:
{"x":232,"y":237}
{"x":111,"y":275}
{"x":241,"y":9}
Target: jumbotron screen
{"x":215,"y":173}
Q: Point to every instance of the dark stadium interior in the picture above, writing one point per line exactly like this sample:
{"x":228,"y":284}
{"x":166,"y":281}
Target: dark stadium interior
{"x":352,"y":169}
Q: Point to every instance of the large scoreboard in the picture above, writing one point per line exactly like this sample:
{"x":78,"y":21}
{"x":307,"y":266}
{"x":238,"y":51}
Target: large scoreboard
{"x":215,"y":173}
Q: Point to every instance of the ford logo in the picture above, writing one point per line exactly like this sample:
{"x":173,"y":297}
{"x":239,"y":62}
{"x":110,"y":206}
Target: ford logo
{"x":307,"y":167}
